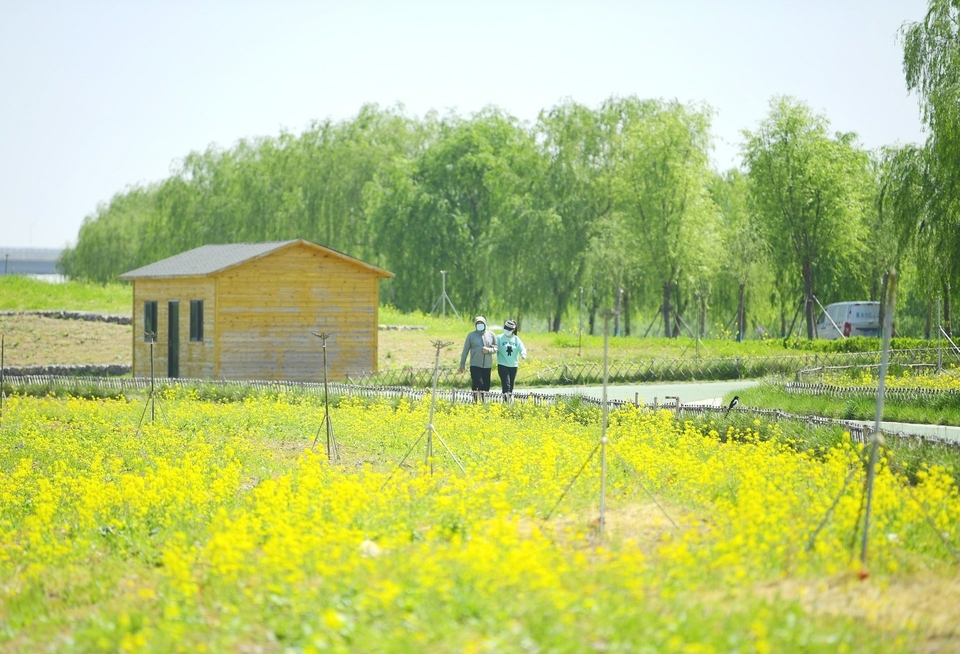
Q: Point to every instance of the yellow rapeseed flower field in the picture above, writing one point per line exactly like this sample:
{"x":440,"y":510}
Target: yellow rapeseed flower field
{"x":216,"y":528}
{"x":948,"y":380}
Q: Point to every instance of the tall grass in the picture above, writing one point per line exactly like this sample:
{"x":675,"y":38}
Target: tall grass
{"x":26,"y":294}
{"x":933,"y":410}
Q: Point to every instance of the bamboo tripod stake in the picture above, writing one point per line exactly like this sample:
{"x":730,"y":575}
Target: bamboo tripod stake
{"x":430,"y":431}
{"x":876,"y":438}
{"x":604,"y":441}
{"x":153,"y":390}
{"x":333,"y":455}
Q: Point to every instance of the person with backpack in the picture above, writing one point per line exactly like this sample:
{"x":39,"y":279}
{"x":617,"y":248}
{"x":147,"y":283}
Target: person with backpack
{"x":510,"y":350}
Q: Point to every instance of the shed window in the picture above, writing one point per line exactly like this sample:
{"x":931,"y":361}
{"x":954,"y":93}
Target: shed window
{"x":150,"y":321}
{"x":196,"y":320}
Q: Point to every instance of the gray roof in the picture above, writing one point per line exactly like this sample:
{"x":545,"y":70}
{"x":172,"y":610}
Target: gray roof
{"x":208,"y":259}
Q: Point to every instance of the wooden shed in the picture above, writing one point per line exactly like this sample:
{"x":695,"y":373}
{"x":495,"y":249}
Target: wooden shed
{"x":248,"y":310}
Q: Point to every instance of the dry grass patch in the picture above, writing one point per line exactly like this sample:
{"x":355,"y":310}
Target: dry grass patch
{"x":926,"y":604}
{"x":31,"y":340}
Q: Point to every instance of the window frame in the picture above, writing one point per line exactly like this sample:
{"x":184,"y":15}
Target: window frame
{"x":196,"y":321}
{"x":150,"y":321}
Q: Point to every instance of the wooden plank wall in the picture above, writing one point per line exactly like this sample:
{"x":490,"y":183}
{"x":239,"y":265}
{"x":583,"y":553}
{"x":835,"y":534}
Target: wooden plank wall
{"x":268,"y":307}
{"x":196,"y":358}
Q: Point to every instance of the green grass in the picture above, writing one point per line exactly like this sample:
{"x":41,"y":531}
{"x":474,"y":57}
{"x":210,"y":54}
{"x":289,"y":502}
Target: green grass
{"x":569,"y":346}
{"x":933,"y":410}
{"x":27,"y":294}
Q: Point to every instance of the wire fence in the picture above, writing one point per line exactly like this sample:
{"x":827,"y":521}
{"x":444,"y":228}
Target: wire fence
{"x":859,"y":432}
{"x":668,"y":370}
{"x":903,"y":393}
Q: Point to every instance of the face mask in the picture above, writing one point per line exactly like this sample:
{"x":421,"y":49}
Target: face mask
{"x":508,"y":332}
{"x":481,"y":326}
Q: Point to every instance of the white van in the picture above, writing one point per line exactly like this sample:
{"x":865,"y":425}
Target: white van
{"x":852,"y":318}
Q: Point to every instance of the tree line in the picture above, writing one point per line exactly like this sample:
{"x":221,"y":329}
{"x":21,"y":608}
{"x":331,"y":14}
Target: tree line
{"x":588,"y":208}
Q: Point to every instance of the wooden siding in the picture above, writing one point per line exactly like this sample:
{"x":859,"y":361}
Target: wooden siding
{"x":196,"y":358}
{"x":267,"y":308}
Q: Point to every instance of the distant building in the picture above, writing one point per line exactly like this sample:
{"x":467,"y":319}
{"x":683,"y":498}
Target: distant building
{"x":248,"y":310}
{"x":29,"y":261}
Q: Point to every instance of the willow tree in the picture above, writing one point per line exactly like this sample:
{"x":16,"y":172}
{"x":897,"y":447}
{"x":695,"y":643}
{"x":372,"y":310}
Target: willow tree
{"x":453,"y":208}
{"x":313,"y":185}
{"x":661,"y":191}
{"x":931,"y":63}
{"x":573,"y":195}
{"x":112,"y":239}
{"x":811,"y":192}
{"x":743,"y":255}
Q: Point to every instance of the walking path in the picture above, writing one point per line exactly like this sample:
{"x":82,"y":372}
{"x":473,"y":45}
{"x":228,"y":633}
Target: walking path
{"x":688,"y":392}
{"x":714,"y":393}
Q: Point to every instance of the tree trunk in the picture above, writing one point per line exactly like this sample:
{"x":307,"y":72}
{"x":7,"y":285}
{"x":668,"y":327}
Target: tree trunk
{"x":885,"y":278}
{"x":808,"y":295}
{"x":946,"y":310}
{"x":741,"y":314}
{"x":667,"y":308}
{"x":626,"y":313}
{"x":702,"y":327}
{"x":594,"y":307}
{"x":678,"y":310}
{"x":927,"y":326}
{"x":618,"y":296}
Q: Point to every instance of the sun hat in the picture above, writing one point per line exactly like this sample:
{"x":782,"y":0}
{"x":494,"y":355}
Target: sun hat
{"x":511,"y":325}
{"x":479,"y":319}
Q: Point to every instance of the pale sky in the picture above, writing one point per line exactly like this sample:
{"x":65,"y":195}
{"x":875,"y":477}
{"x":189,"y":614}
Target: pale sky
{"x":96,"y":96}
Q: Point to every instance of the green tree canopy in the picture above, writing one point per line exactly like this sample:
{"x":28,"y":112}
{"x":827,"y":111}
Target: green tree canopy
{"x":662,"y":195}
{"x":810,"y":191}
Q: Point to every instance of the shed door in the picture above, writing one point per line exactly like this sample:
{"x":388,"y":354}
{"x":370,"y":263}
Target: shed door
{"x":173,"y":339}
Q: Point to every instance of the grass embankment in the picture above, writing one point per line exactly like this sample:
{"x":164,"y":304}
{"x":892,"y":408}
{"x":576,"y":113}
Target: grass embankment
{"x":933,"y":409}
{"x":25,"y":294}
{"x":220,"y":532}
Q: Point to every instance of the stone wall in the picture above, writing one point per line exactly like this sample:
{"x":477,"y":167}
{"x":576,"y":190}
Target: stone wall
{"x":73,"y":370}
{"x":90,"y":316}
